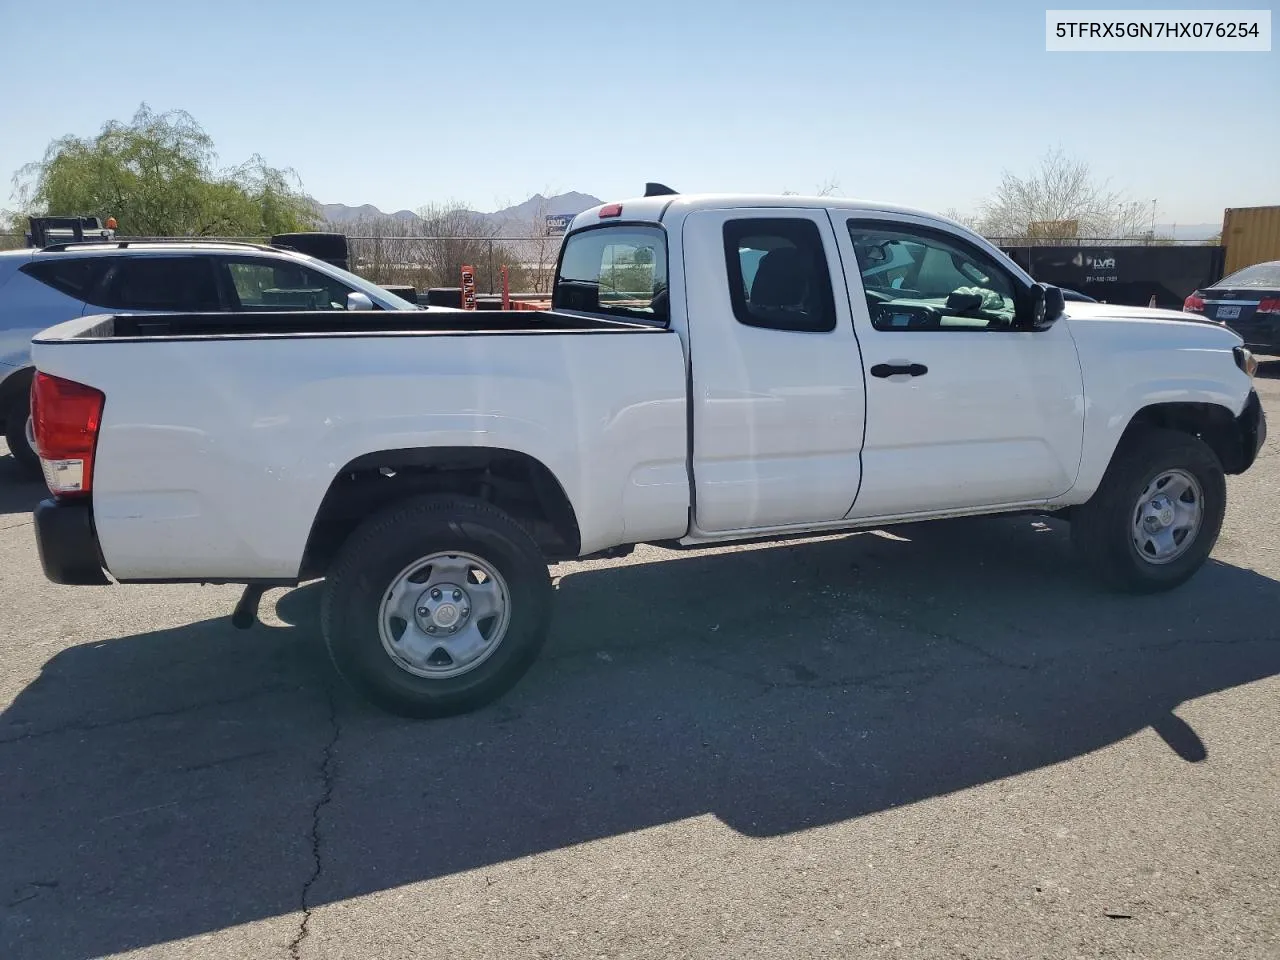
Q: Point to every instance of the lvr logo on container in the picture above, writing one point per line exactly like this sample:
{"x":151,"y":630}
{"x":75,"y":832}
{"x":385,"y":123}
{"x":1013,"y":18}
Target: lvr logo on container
{"x":1098,"y":263}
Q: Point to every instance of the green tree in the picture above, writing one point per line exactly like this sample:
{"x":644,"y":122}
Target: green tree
{"x":158,"y":176}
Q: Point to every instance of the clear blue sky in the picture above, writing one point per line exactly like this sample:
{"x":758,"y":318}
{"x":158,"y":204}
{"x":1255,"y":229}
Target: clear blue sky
{"x":403,"y":103}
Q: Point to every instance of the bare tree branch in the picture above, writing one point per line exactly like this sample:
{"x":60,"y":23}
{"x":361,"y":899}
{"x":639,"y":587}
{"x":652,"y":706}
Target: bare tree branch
{"x":1061,"y":196}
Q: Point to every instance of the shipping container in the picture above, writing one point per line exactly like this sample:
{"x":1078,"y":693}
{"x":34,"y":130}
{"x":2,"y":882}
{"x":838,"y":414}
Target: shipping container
{"x":1251,"y":235}
{"x":1129,"y":275}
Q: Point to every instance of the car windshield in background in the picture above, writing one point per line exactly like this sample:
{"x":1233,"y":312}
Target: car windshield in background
{"x":618,"y":270}
{"x":1264,"y":276}
{"x":285,"y":285}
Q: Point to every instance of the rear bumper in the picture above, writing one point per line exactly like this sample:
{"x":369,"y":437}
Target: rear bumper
{"x":68,"y":543}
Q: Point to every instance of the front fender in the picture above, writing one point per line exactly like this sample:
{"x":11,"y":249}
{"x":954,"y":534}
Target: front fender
{"x":1234,"y":426}
{"x":1131,"y":365}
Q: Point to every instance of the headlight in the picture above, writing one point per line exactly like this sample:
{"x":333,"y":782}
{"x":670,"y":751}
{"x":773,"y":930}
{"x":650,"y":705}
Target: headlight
{"x":1246,"y":361}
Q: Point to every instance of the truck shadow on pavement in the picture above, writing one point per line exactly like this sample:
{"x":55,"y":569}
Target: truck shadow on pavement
{"x":174,"y":783}
{"x":19,"y":491}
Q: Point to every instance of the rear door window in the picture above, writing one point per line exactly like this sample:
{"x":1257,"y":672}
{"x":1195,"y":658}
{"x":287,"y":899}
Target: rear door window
{"x":778,"y":277}
{"x":186,"y":284}
{"x":618,"y":270}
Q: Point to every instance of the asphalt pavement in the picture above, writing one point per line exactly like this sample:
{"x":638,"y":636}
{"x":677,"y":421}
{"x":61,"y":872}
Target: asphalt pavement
{"x":935,"y":741}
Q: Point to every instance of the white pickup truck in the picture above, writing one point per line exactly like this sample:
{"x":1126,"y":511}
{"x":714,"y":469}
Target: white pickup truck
{"x":714,"y":368}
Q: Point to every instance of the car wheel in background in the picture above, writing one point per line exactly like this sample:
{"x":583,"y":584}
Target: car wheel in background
{"x":15,"y":434}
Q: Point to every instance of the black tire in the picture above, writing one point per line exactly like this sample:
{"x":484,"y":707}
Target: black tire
{"x":380,"y":549}
{"x":1101,"y":528}
{"x":15,"y":435}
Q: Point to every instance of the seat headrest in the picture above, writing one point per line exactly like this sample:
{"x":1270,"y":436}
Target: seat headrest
{"x":782,"y":279}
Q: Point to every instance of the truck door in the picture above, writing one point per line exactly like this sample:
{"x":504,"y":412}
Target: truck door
{"x":777,"y":398}
{"x":964,"y":410}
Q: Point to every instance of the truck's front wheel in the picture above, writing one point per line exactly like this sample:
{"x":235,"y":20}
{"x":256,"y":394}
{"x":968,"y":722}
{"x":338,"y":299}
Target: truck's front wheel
{"x":1157,"y":515}
{"x":436,"y":606}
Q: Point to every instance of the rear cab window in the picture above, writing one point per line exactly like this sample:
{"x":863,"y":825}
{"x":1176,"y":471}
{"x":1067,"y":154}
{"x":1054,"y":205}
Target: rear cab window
{"x":618,"y":270}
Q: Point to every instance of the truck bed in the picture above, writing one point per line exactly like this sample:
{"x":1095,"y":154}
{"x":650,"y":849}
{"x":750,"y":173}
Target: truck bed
{"x":212,"y":423}
{"x":333,"y":323}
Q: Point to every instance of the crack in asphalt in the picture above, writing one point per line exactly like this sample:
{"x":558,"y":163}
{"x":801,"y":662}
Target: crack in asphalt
{"x":155,"y":714}
{"x":900,"y":619}
{"x":317,"y":841}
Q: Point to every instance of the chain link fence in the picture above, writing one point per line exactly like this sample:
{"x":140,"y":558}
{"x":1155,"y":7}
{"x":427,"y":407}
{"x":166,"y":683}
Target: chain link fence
{"x":424,"y":262}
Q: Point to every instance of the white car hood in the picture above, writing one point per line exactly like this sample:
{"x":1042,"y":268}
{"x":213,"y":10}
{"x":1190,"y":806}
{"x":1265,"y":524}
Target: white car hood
{"x":1085,"y":316}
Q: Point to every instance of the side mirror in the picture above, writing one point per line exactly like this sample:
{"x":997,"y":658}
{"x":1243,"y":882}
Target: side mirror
{"x":359,"y":301}
{"x":1055,"y":304}
{"x":1045,"y":306}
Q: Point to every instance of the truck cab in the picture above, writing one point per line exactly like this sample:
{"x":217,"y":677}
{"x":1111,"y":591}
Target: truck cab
{"x":850,"y":361}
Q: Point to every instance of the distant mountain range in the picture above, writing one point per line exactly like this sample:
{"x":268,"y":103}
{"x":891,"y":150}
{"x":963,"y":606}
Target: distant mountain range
{"x":339,"y":214}
{"x":516,"y":220}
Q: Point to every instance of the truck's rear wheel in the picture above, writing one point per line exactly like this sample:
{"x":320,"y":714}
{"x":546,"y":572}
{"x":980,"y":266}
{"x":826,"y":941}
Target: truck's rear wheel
{"x":1156,"y":516}
{"x":436,"y":606}
{"x":15,"y":435}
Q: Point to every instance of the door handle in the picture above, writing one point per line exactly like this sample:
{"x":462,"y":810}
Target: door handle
{"x":884,"y":370}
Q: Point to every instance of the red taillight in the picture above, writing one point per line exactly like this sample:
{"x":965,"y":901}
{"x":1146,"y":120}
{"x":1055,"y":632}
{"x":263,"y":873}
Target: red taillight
{"x":65,"y":417}
{"x":1270,"y":305}
{"x":1193,"y":304}
{"x":610,"y":210}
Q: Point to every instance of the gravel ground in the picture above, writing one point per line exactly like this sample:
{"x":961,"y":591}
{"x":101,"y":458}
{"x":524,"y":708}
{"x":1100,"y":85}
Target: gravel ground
{"x":940,"y":742}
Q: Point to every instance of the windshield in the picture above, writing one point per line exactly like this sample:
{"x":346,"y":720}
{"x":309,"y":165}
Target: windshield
{"x":377,"y":293}
{"x":1261,"y":275}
